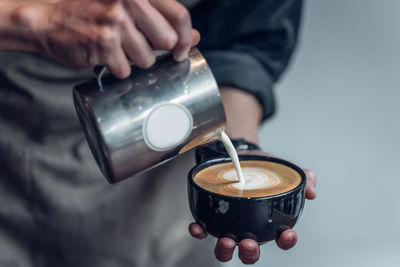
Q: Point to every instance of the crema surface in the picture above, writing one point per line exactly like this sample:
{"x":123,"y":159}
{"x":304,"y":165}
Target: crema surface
{"x":262,"y":178}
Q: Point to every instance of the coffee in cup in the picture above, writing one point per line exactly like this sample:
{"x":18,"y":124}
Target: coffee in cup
{"x":263,"y":178}
{"x":269,"y":202}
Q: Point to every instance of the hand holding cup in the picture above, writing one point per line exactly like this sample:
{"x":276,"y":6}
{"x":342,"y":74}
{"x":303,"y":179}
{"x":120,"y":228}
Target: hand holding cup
{"x":249,"y":248}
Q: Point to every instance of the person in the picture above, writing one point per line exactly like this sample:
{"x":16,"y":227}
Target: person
{"x":56,"y":208}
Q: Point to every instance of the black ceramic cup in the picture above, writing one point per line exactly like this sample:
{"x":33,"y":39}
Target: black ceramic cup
{"x":259,"y":218}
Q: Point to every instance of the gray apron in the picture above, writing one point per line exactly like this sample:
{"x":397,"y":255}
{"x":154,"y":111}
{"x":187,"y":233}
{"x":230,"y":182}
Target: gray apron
{"x":56,"y":209}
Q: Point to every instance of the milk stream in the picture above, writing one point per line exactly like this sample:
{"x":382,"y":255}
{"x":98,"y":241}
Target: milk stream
{"x":233,"y":155}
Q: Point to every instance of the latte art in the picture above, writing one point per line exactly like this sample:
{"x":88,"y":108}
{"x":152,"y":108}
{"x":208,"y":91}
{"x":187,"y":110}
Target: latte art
{"x":254,"y":178}
{"x":262,"y":178}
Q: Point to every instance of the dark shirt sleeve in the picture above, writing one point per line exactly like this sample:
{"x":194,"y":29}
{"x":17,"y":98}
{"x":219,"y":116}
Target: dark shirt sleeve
{"x":248,"y":43}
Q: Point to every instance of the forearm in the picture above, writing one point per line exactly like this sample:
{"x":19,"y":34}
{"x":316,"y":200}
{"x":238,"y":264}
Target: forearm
{"x":17,"y":32}
{"x":243,"y":113}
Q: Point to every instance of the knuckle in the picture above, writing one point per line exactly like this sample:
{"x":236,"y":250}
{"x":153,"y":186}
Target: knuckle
{"x":23,"y":15}
{"x":182,"y":17}
{"x":116,"y":14}
{"x":168,"y":41}
{"x":106,"y":38}
{"x":19,"y":14}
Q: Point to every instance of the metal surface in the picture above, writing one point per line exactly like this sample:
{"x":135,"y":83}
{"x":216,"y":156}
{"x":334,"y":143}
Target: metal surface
{"x":113,"y":117}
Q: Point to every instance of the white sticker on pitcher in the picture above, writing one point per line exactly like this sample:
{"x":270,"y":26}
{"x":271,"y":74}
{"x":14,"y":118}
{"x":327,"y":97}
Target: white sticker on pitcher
{"x":167,"y":126}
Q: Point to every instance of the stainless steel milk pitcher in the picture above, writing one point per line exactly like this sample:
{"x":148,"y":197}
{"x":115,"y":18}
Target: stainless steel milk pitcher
{"x":150,"y":117}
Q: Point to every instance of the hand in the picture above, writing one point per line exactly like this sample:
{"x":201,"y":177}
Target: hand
{"x":84,"y":33}
{"x":249,"y":251}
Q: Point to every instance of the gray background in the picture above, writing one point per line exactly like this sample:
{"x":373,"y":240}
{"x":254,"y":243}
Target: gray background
{"x":339,"y":107}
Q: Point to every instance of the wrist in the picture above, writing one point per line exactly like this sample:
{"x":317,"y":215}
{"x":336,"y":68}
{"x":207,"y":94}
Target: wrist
{"x":19,"y":22}
{"x":243,"y":114}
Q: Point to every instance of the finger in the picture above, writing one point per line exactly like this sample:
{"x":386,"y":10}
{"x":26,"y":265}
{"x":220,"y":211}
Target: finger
{"x":287,"y":239}
{"x":152,"y":24}
{"x":111,"y":53}
{"x":310,"y":174}
{"x":195,"y":37}
{"x":249,"y":252}
{"x":178,"y":16}
{"x":224,"y":249}
{"x":118,"y":64}
{"x":196,"y":231}
{"x":136,"y":47}
{"x":311,"y":193}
